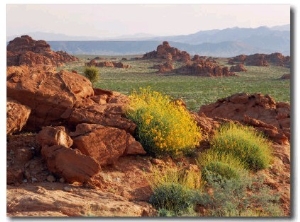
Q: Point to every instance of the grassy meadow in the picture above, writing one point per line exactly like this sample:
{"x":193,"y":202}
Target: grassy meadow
{"x":194,"y":90}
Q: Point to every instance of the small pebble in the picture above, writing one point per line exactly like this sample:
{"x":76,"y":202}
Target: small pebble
{"x":157,"y":161}
{"x":25,"y":181}
{"x":33,"y":179}
{"x":68,"y":189}
{"x":41,"y":190}
{"x":51,"y":178}
{"x":62,"y":180}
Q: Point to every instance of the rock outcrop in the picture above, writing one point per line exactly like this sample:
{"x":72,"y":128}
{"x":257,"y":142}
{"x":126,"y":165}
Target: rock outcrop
{"x":260,"y":111}
{"x":165,"y":51}
{"x":26,"y":51}
{"x":94,"y":62}
{"x":48,"y":94}
{"x":262,"y":59}
{"x":165,"y":67}
{"x":53,"y":103}
{"x":238,"y":68}
{"x":204,"y":68}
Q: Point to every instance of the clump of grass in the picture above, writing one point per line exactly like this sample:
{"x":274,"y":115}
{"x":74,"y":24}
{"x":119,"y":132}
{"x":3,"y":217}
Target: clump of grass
{"x":188,"y":178}
{"x":174,"y":191}
{"x":92,"y":73}
{"x":162,"y":126}
{"x":243,"y":143}
{"x":172,"y":199}
{"x":223,"y":164}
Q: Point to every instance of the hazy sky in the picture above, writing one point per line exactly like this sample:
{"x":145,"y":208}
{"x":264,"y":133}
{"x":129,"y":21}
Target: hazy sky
{"x":104,"y":20}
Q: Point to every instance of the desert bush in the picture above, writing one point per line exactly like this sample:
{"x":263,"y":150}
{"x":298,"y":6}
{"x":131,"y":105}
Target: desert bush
{"x":246,"y":197}
{"x":172,"y":198}
{"x":174,"y":190}
{"x":92,"y":73}
{"x":190,"y":179}
{"x":223,"y":164}
{"x":162,"y":126}
{"x":245,"y":144}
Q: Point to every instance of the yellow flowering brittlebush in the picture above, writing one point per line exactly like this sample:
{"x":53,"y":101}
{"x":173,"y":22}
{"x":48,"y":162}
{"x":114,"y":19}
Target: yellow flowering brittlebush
{"x":162,"y":126}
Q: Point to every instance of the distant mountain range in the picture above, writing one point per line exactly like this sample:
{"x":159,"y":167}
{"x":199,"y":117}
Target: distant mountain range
{"x":224,"y":43}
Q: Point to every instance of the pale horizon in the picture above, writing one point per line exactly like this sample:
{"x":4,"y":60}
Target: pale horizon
{"x":109,"y":21}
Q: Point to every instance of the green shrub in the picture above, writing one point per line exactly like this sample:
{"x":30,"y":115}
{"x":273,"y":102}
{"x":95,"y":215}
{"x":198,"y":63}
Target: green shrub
{"x":190,"y":179}
{"x":162,"y":126}
{"x":223,"y":164}
{"x":92,"y":73}
{"x":245,"y":144}
{"x":239,"y":197}
{"x":172,"y":199}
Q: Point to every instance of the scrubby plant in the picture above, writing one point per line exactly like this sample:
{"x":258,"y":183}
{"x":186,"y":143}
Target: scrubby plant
{"x":174,"y":190}
{"x":223,"y":164}
{"x":188,"y":178}
{"x":172,"y":198}
{"x":162,"y":126}
{"x":92,"y":73}
{"x":246,"y":197}
{"x":245,"y":144}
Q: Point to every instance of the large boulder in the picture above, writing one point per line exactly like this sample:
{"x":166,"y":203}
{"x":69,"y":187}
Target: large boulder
{"x":16,"y":116}
{"x":238,"y":68}
{"x":105,"y":144}
{"x":26,"y":51}
{"x":70,"y":164}
{"x":50,"y":136}
{"x":47,"y":93}
{"x":260,"y":111}
{"x":108,"y":109}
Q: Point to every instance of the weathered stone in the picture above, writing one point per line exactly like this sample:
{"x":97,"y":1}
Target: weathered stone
{"x":165,"y":51}
{"x":104,"y":144}
{"x":69,"y":163}
{"x":50,"y":136}
{"x":16,"y":116}
{"x":46,"y":93}
{"x":26,"y":51}
{"x":106,"y":115}
{"x":260,"y":111}
{"x":262,"y":59}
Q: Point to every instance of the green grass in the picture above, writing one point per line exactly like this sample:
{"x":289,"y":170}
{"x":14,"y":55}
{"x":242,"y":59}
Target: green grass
{"x":243,"y":143}
{"x":224,"y":164}
{"x":196,"y":91}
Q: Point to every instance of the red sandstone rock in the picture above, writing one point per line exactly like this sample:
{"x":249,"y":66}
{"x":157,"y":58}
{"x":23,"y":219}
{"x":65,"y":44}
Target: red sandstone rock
{"x":69,"y":163}
{"x":165,"y":51}
{"x":50,"y":136}
{"x":204,"y":68}
{"x":262,"y":59}
{"x":26,"y":51}
{"x":93,"y":62}
{"x":257,"y":110}
{"x":166,"y":67}
{"x":16,"y":116}
{"x":238,"y":68}
{"x":48,"y":94}
{"x":104,"y":144}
